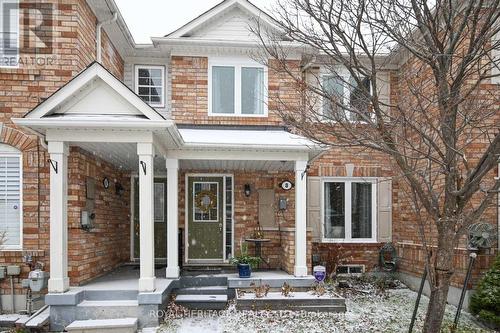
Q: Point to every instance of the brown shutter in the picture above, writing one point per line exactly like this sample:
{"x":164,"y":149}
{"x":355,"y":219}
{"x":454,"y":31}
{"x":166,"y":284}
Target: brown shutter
{"x":314,"y":207}
{"x":266,"y":208}
{"x":384,"y":210}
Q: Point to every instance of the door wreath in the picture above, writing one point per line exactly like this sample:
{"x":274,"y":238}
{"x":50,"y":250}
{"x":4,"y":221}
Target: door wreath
{"x":205,"y":200}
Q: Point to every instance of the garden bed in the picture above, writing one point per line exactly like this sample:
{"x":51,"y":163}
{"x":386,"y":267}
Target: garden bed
{"x":370,"y":308}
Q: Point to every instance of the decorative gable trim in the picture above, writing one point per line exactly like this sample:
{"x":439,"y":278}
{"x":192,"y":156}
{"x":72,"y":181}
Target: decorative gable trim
{"x":220,"y":9}
{"x":80,"y":84}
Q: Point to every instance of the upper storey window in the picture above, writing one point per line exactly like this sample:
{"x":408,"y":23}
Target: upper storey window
{"x":237,"y":88}
{"x":150,"y":84}
{"x":347,"y":99}
{"x":9,"y":33}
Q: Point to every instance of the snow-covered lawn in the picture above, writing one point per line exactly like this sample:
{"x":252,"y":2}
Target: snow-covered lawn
{"x":367,"y":311}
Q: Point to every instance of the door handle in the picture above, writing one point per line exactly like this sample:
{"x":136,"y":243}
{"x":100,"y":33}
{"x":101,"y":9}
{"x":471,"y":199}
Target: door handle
{"x":220,"y":227}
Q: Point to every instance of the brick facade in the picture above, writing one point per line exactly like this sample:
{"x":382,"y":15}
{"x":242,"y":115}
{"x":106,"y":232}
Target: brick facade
{"x":107,"y":245}
{"x":94,"y":253}
{"x":279,"y":252}
{"x":22,"y":89}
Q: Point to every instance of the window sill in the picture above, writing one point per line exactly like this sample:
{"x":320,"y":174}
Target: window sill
{"x":233,"y":115}
{"x":348,"y":241}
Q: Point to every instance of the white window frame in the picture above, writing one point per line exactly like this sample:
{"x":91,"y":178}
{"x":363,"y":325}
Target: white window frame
{"x":238,"y":64}
{"x":8,"y":151}
{"x":345,"y":76}
{"x":164,"y":80}
{"x":348,"y":204}
{"x":218,"y":202}
{"x":18,"y":34}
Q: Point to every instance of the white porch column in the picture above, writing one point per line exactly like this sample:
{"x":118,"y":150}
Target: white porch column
{"x":172,"y":218}
{"x":300,"y":219}
{"x":146,"y":217}
{"x":59,"y":281}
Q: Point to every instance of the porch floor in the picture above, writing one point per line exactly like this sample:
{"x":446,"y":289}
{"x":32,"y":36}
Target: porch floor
{"x":126,"y":278}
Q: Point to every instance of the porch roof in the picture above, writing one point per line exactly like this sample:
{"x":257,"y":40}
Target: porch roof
{"x":249,"y":138}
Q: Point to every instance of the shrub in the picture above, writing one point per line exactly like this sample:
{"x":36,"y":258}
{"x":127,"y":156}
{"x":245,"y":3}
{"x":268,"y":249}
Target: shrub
{"x":485,"y":302}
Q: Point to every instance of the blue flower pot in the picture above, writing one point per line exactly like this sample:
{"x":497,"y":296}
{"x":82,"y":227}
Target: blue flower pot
{"x":244,"y":270}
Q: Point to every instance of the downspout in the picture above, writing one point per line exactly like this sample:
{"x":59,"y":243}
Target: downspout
{"x":99,"y":33}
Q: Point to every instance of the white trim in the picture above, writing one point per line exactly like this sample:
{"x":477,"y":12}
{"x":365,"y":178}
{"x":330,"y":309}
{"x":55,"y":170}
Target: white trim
{"x":218,"y":9}
{"x":132,"y":212}
{"x":186,"y":219}
{"x":237,"y":63}
{"x":347,"y":204}
{"x":76,"y":84}
{"x":163,"y":78}
{"x":14,"y":152}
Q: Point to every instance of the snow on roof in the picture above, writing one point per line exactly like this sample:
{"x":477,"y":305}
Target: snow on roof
{"x":270,"y":139}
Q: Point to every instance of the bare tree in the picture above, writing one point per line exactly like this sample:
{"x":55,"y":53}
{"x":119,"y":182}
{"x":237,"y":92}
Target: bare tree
{"x":443,"y":132}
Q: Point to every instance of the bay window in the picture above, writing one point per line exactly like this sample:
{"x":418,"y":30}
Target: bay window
{"x":237,"y":88}
{"x":349,"y":209}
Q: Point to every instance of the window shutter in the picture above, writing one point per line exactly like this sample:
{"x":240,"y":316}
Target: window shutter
{"x":10,"y":199}
{"x":495,"y":70}
{"x":384,"y":210}
{"x":314,"y":207}
{"x":266,"y":208}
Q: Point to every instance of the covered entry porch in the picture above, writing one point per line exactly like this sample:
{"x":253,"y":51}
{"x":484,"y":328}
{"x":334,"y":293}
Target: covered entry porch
{"x":98,"y":115}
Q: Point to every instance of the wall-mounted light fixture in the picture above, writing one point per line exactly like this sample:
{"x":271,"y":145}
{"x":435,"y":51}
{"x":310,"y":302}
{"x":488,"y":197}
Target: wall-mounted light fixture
{"x":248,"y":190}
{"x":119,"y":190}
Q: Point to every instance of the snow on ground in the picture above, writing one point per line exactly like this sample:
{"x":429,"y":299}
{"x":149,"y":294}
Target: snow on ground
{"x":368,"y":311}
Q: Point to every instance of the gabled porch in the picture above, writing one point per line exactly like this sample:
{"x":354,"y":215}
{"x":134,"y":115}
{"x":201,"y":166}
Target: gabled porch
{"x":216,"y":186}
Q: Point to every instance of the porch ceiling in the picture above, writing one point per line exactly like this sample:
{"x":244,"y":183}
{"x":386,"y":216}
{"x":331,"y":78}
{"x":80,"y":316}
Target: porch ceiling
{"x":121,"y":155}
{"x":214,"y":165}
{"x":124,"y":156}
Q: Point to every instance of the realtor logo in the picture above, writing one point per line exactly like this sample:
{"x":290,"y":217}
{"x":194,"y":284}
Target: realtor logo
{"x":26,"y":32}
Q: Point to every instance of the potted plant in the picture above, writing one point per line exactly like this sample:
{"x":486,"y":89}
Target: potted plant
{"x":244,"y":261}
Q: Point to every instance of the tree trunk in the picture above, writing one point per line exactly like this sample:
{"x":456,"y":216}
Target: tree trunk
{"x":442,"y":272}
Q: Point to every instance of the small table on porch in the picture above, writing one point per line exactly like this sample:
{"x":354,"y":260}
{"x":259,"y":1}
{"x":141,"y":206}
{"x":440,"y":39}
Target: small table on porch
{"x":258,"y":247}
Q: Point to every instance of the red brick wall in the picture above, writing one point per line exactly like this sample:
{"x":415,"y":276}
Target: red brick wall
{"x":190,"y":94}
{"x":279,"y":251}
{"x":406,"y":234}
{"x":107,"y":245}
{"x":23,"y":88}
{"x":332,"y":255}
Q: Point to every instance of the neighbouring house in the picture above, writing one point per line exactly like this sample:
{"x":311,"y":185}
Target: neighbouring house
{"x":172,"y":153}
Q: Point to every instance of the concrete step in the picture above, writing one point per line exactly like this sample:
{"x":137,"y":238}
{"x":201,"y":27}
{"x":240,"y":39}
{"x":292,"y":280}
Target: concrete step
{"x":122,"y":325}
{"x":202,"y":281}
{"x":206,"y":290}
{"x":101,"y":295}
{"x":39,"y":319}
{"x":202,"y":302}
{"x":110,"y":303}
